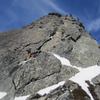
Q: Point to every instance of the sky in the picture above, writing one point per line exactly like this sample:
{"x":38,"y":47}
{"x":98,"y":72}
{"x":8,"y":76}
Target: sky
{"x":15,"y":14}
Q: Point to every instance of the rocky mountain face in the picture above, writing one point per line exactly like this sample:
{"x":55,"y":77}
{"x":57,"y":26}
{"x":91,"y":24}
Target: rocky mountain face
{"x":27,"y":65}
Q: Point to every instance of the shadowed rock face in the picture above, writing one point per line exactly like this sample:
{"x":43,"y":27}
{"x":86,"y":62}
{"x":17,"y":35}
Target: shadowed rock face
{"x":63,"y":35}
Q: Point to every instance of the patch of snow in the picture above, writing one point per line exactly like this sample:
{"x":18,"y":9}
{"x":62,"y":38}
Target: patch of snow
{"x":22,"y":97}
{"x":49,"y":89}
{"x":2,"y":94}
{"x":80,"y":78}
{"x":84,"y":75}
{"x":65,"y":61}
{"x":23,"y":62}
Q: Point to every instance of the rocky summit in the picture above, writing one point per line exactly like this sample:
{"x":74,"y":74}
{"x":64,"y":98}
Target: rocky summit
{"x":27,"y":63}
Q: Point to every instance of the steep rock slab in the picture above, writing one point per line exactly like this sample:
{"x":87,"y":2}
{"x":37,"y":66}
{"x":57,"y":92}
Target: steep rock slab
{"x":63,"y":35}
{"x":43,"y":69}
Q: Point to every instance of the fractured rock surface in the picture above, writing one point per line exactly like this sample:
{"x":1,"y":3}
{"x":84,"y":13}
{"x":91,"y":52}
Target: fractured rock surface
{"x":63,"y":35}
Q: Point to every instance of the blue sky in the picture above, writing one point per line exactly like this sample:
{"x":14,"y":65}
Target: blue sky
{"x":17,"y":13}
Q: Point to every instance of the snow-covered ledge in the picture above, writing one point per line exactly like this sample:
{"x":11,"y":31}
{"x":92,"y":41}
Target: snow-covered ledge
{"x":23,"y":62}
{"x":2,"y":94}
{"x":80,"y":78}
{"x":21,"y":97}
{"x":49,"y":89}
{"x":86,"y":74}
{"x":65,"y":61}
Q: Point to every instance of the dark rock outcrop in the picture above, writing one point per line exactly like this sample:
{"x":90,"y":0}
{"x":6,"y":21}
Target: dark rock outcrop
{"x":63,"y":35}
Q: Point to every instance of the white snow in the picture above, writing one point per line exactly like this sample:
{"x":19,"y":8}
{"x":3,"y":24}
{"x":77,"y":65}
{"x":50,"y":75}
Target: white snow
{"x":23,"y":62}
{"x":50,"y":89}
{"x":2,"y":94}
{"x":80,"y":78}
{"x":88,"y":73}
{"x":65,"y":61}
{"x":84,"y":74}
{"x":22,"y":97}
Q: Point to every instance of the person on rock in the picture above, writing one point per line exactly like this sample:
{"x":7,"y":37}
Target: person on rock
{"x":31,"y":54}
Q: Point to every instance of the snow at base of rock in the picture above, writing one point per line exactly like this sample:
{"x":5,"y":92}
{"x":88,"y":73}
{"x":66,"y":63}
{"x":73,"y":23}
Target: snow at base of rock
{"x":50,"y":89}
{"x":22,"y":97}
{"x":2,"y":94}
{"x":87,"y":73}
{"x":66,"y":62}
{"x":63,"y":60}
{"x":84,"y":74}
{"x":23,"y":62}
{"x":80,"y":78}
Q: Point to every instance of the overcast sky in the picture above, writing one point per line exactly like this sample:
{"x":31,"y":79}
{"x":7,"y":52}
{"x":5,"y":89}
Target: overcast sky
{"x":18,"y":13}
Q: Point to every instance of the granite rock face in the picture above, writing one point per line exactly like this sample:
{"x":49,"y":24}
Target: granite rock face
{"x":63,"y":35}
